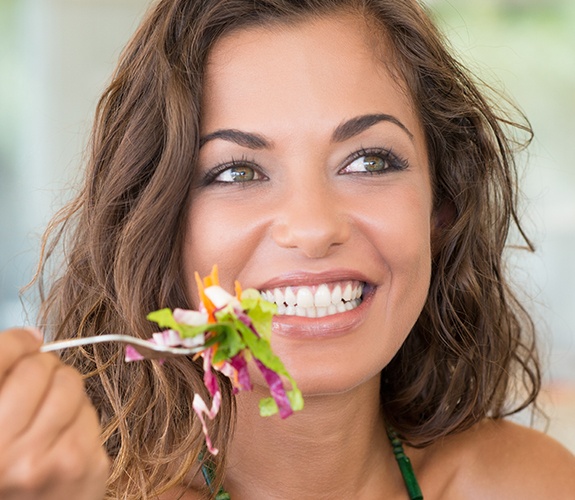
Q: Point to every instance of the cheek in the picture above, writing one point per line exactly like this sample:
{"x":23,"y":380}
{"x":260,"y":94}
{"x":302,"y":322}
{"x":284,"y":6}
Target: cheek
{"x":399,"y":225}
{"x":403,"y":241}
{"x":410,"y":284}
{"x":216,"y":233}
{"x":409,"y":288}
{"x":200,"y":245}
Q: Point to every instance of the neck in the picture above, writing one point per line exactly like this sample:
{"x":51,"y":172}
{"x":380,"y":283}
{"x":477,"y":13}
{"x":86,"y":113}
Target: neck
{"x":335,"y":448}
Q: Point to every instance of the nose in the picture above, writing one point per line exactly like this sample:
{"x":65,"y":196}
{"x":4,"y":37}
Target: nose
{"x":311,"y":220}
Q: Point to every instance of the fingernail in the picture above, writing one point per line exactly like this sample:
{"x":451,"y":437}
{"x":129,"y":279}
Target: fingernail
{"x":35,"y":331}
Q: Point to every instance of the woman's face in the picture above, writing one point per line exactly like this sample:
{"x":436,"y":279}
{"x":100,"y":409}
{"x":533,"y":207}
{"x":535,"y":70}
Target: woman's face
{"x":313,"y":186}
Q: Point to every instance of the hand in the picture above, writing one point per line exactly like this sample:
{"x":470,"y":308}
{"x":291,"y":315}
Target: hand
{"x":49,"y":430}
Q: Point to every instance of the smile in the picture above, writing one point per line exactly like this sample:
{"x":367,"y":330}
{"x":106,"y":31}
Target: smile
{"x":316,"y":301}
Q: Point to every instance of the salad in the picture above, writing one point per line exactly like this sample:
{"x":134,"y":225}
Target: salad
{"x":234,"y":330}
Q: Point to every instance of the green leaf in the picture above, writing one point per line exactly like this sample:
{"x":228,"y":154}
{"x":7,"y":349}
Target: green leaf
{"x":164,"y":318}
{"x":260,"y":311}
{"x":260,"y":348}
{"x":296,"y":399}
{"x":229,"y":344}
{"x":249,"y":296}
{"x":268,"y":407}
{"x":232,"y":336}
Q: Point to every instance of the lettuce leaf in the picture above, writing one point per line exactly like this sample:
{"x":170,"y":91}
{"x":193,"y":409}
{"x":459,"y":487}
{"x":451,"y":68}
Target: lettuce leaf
{"x":234,"y":334}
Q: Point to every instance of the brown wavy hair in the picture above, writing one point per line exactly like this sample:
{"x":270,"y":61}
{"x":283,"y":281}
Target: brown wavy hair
{"x":120,"y":240}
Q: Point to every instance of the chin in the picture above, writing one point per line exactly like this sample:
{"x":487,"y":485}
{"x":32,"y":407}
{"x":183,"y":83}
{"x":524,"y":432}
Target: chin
{"x":320,"y":375}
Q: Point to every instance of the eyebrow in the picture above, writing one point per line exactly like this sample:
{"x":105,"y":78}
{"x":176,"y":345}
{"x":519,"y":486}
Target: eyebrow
{"x":342,"y":132}
{"x":357,"y":125}
{"x":246,"y":139}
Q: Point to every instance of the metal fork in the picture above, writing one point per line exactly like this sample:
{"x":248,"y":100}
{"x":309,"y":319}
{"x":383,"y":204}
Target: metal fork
{"x":148,"y":349}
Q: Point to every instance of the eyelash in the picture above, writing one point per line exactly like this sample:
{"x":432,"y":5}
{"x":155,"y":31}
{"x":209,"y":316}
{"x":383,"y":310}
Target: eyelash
{"x":213,"y":174}
{"x":395,"y":163}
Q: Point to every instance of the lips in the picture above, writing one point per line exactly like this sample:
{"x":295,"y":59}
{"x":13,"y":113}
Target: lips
{"x":316,"y":301}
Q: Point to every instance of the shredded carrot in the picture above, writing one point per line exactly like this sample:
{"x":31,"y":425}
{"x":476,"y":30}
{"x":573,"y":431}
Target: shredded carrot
{"x":213,"y":279}
{"x":199,"y":283}
{"x":238,"y":289}
{"x":210,"y":308}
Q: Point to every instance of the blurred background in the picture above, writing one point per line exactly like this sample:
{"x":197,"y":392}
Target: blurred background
{"x":56,"y":57}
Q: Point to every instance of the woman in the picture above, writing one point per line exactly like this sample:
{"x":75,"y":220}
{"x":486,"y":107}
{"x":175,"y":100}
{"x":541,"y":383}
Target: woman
{"x":305,"y":147}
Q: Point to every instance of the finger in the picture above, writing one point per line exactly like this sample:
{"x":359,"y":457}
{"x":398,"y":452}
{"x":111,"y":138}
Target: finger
{"x":60,"y":408}
{"x":74,"y":466}
{"x":14,"y":344}
{"x":77,"y":462}
{"x":23,"y":391}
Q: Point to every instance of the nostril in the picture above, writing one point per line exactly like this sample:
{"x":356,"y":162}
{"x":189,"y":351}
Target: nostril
{"x":314,"y":240}
{"x":309,"y":220}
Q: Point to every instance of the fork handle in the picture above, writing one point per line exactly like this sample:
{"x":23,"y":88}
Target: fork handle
{"x":58,"y":345}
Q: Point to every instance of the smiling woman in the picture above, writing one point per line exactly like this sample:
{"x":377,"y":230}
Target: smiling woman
{"x":337,"y":170}
{"x":332,"y":155}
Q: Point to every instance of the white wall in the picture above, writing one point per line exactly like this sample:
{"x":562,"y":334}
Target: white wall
{"x":57,"y":56}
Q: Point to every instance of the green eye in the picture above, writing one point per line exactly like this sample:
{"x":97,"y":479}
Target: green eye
{"x":240,"y":173}
{"x":374,"y":163}
{"x":371,"y":164}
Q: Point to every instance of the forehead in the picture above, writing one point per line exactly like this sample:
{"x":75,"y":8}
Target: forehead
{"x":324,"y":68}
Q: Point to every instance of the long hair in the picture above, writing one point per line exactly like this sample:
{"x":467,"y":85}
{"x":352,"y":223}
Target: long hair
{"x":121,"y":241}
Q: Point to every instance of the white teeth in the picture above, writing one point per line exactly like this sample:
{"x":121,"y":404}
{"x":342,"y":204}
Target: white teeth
{"x":311,"y":312}
{"x":290,"y":298}
{"x":278,"y":296}
{"x":316,"y":301}
{"x":322,"y":296}
{"x":336,"y":295}
{"x":304,"y":297}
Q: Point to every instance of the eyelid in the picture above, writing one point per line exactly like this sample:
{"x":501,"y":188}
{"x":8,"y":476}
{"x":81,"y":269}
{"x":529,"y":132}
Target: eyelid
{"x":211,"y":175}
{"x":397,"y":162}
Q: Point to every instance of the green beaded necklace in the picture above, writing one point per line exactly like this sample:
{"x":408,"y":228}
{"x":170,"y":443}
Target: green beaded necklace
{"x":402,"y":459}
{"x":413,"y":489}
{"x":208,"y":473}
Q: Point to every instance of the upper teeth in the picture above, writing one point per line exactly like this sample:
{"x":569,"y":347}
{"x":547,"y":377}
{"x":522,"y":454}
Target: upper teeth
{"x":317,"y":300}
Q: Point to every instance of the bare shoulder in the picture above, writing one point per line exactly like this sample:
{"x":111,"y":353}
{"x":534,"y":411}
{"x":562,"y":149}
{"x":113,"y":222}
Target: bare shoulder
{"x":499,"y":459}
